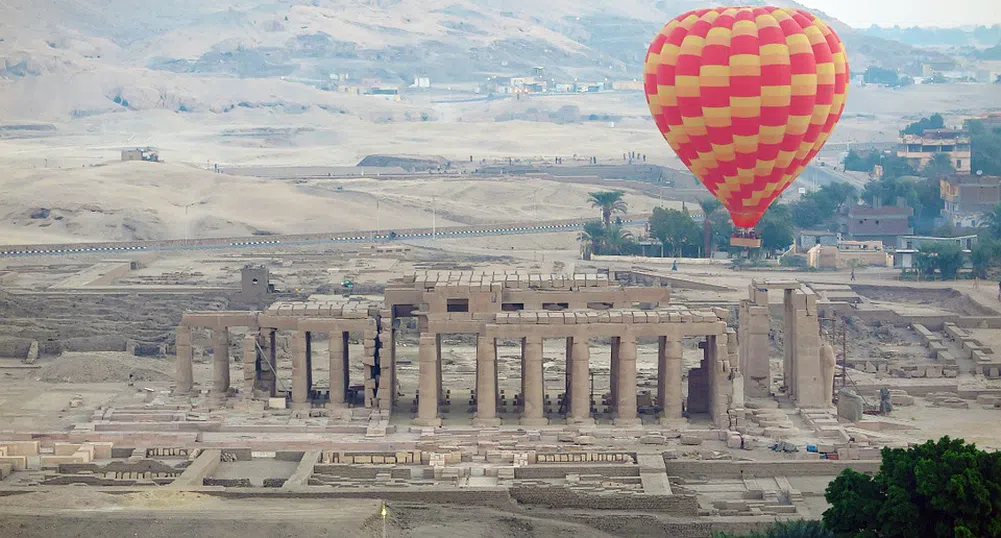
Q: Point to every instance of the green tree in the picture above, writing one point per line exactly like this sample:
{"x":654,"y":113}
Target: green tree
{"x":618,"y":240}
{"x":986,"y":146}
{"x":786,"y":529}
{"x":608,"y":202}
{"x":822,"y":206}
{"x":936,"y":121}
{"x":991,"y":222}
{"x":775,"y":228}
{"x":861,"y":161}
{"x":710,"y":206}
{"x":878,"y":75}
{"x":939,"y":165}
{"x":985,"y":255}
{"x":673,"y":228}
{"x":946,"y":258}
{"x":894,"y":167}
{"x":936,"y":490}
{"x":593,"y":234}
{"x":722,"y":229}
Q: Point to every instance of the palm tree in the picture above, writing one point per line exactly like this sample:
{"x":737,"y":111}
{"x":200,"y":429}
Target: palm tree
{"x":592,"y":235}
{"x":939,"y":165}
{"x":709,"y":206}
{"x":609,"y":202}
{"x":617,"y":238}
{"x":992,"y":222}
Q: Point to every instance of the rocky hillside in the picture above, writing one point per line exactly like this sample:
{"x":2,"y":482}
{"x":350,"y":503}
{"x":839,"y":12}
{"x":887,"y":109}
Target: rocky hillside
{"x":183,"y":55}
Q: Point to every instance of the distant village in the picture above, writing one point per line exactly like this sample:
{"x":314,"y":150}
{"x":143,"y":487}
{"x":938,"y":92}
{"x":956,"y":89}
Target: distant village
{"x":536,"y":83}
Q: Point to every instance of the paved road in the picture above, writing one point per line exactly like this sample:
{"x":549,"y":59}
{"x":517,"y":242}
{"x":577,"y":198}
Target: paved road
{"x":405,"y":235}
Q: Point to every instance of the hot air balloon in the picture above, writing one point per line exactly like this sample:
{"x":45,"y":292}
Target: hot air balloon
{"x":746,"y":96}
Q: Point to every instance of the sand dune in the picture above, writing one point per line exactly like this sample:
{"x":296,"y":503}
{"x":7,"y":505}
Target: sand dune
{"x":134,"y":200}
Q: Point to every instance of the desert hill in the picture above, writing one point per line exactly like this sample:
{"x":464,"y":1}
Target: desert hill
{"x":63,"y":59}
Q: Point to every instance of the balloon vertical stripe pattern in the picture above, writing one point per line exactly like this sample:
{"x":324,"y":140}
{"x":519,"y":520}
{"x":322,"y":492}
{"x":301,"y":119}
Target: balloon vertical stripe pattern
{"x":747,"y":97}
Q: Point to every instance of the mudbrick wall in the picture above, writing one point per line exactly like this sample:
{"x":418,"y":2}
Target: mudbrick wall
{"x":94,"y":322}
{"x":557,"y":497}
{"x":355,"y":471}
{"x":545,"y":471}
{"x":725,"y":469}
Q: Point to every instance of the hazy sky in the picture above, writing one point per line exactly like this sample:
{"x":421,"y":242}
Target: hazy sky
{"x":864,"y":13}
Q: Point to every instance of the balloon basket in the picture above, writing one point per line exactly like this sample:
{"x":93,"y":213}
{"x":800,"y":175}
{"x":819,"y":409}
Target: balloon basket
{"x":745,"y":242}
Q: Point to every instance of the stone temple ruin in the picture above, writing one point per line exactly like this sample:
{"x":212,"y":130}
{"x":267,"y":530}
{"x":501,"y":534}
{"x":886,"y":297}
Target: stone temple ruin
{"x":552,"y":410}
{"x":526,"y":308}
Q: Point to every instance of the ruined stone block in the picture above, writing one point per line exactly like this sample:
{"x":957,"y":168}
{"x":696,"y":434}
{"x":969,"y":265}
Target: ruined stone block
{"x":691,"y":440}
{"x":19,"y":463}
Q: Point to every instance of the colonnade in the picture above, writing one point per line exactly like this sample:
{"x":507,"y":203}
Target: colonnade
{"x":255,"y":355}
{"x":623,"y":380}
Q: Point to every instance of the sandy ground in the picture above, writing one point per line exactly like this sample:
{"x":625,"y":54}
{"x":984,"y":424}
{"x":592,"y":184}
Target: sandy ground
{"x":126,"y":201}
{"x":79,"y":512}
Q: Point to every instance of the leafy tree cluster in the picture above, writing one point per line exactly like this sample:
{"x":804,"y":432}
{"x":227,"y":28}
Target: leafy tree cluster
{"x":899,"y":181}
{"x":878,"y":75}
{"x":936,"y":490}
{"x":945,"y":258}
{"x":936,"y":121}
{"x":775,"y":228}
{"x":675,"y":230}
{"x":986,"y":145}
{"x":987,"y":254}
{"x":820,"y":207}
{"x":858,"y":161}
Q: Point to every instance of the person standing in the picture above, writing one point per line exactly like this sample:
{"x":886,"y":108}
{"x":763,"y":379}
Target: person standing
{"x":853,"y":274}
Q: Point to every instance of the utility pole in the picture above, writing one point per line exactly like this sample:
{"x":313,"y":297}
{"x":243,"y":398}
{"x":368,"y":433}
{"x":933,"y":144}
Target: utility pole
{"x":434,"y":220}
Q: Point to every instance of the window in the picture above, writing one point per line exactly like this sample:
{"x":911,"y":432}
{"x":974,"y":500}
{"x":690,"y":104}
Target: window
{"x":959,"y":163}
{"x":555,"y":306}
{"x":599,"y":306}
{"x":512,"y":307}
{"x":458,"y":305}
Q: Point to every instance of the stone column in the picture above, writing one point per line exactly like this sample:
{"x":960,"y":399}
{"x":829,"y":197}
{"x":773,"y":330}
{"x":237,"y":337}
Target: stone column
{"x":789,"y":343}
{"x":300,"y":381}
{"x":427,"y":401}
{"x":338,"y":369}
{"x":828,"y":363}
{"x":220,"y":360}
{"x":580,"y":400}
{"x":613,"y":375}
{"x":662,"y":389}
{"x":719,"y":381}
{"x":309,"y":362}
{"x":568,"y":387}
{"x":185,"y":377}
{"x":625,"y":407}
{"x":755,"y":345}
{"x":486,"y":382}
{"x":535,"y":412}
{"x":437,"y":352}
{"x":672,"y":364}
{"x":808,"y":378}
{"x":250,"y":362}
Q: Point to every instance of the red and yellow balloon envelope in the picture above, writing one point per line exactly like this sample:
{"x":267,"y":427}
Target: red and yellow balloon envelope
{"x":746,"y":96}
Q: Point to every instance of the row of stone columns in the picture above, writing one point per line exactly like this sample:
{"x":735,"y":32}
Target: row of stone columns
{"x":578,"y":391}
{"x":301,"y":363}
